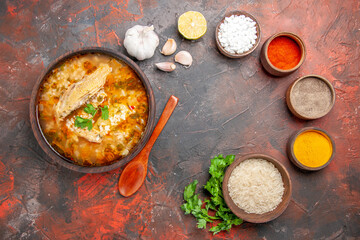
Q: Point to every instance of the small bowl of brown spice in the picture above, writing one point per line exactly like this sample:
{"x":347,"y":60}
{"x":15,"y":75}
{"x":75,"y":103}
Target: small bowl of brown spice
{"x":310,"y":97}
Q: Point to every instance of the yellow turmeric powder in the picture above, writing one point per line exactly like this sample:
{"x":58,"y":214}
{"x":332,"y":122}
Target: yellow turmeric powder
{"x":313,"y":148}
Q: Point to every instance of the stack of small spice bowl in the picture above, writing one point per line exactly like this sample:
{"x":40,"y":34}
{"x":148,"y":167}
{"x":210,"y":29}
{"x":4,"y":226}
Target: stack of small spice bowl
{"x":309,"y":97}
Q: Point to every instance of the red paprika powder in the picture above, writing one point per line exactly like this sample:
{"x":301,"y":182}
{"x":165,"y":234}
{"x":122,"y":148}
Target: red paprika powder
{"x":284,"y":53}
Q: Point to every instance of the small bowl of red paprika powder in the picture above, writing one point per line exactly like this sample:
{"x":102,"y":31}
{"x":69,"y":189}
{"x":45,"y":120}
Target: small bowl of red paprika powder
{"x":282,"y":54}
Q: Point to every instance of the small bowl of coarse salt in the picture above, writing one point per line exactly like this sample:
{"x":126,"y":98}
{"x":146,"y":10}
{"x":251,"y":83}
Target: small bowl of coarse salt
{"x":257,"y":188}
{"x":237,"y":34}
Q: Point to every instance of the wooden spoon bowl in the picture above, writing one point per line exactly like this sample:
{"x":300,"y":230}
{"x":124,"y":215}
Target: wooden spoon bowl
{"x":252,"y":217}
{"x":135,"y":172}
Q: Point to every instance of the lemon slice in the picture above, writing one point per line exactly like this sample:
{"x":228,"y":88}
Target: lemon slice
{"x":192,"y":25}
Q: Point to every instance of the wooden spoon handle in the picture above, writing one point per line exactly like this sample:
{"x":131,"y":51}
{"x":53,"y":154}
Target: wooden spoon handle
{"x":168,"y":110}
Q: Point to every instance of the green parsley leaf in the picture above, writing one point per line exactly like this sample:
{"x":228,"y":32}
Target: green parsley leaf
{"x":216,"y":202}
{"x":190,"y":190}
{"x":226,"y":225}
{"x":90,"y":109}
{"x":201,"y":223}
{"x":105,"y":112}
{"x":83,"y":123}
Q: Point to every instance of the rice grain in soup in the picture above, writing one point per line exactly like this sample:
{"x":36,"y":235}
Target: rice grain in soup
{"x":111,"y":87}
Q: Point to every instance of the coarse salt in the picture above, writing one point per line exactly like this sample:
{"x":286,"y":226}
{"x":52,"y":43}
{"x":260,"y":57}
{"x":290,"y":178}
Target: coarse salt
{"x":237,"y":34}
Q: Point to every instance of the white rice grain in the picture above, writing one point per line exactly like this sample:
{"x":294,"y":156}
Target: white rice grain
{"x":256,"y":186}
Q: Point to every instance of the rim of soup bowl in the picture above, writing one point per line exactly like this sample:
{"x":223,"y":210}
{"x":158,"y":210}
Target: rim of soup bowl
{"x":65,"y":162}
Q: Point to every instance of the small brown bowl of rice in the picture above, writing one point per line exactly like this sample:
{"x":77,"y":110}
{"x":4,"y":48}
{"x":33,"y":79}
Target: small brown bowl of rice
{"x":237,"y":34}
{"x":257,"y":188}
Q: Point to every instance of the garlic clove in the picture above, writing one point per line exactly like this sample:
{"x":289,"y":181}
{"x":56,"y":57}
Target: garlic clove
{"x":166,"y":66}
{"x":184,"y":58}
{"x":169,"y":47}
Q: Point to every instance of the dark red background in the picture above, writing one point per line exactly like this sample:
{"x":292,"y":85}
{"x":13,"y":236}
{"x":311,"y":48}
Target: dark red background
{"x":226,"y":106}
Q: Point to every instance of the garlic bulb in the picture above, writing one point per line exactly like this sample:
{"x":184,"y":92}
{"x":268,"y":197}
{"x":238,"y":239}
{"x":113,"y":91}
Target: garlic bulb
{"x":169,"y":47}
{"x":184,"y":58}
{"x":141,"y":41}
{"x":166,"y":66}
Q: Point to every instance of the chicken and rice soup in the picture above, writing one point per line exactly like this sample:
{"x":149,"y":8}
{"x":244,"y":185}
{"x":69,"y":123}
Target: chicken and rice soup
{"x":93,"y":109}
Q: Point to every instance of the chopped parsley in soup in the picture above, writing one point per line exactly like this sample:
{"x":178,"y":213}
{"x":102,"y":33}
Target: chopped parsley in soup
{"x":93,"y":109}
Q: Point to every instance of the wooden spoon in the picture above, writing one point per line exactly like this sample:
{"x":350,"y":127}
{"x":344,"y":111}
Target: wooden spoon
{"x":133,"y":175}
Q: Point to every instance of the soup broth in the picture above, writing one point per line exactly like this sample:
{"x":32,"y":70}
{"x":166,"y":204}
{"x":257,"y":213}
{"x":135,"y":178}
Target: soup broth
{"x":93,"y":109}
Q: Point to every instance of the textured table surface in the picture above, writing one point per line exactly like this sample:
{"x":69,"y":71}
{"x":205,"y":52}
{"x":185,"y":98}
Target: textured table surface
{"x":226,"y":106}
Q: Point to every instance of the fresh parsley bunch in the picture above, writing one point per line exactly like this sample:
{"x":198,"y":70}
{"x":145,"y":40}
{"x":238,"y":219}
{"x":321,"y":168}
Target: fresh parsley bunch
{"x":216,"y":202}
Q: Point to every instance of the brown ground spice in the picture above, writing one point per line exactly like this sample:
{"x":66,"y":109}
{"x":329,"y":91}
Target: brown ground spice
{"x":311,"y":97}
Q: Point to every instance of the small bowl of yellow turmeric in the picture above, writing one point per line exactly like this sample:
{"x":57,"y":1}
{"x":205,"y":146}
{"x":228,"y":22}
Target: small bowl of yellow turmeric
{"x":311,"y":149}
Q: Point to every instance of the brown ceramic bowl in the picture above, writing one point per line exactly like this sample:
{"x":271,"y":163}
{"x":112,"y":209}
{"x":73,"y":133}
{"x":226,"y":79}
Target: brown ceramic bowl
{"x":65,"y":162}
{"x":240,"y":55}
{"x":269,"y":67}
{"x":307,"y":101}
{"x":290,"y":148}
{"x":252,"y":217}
